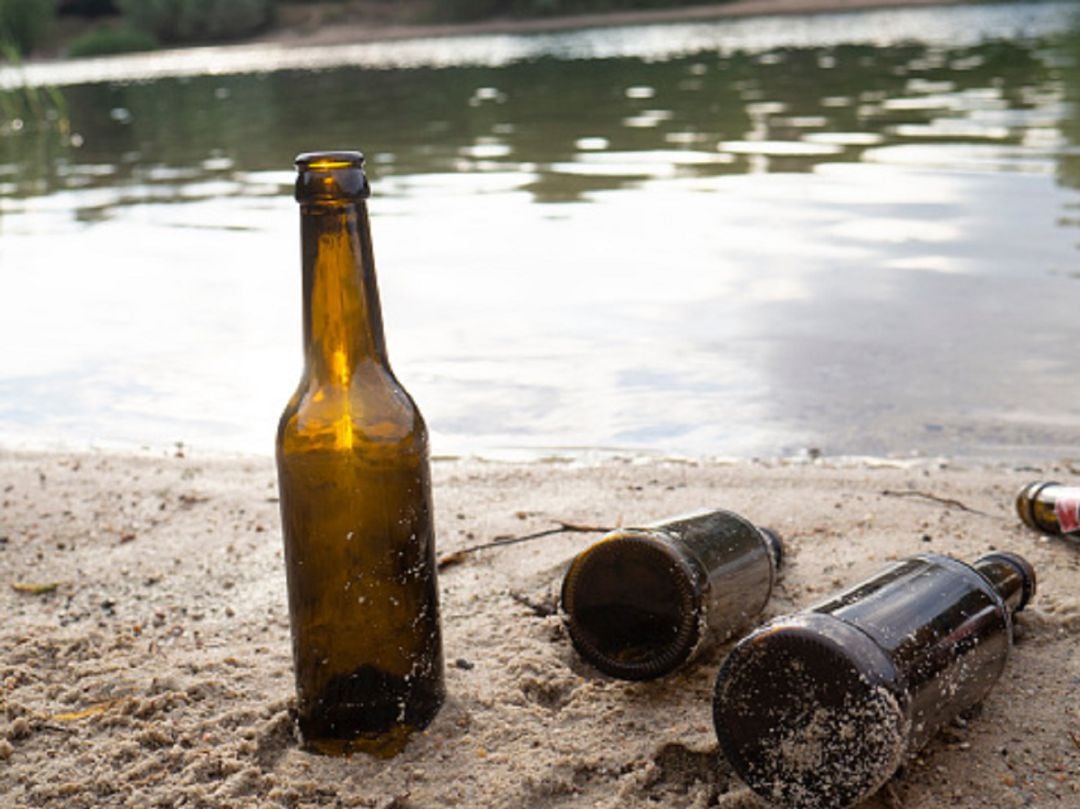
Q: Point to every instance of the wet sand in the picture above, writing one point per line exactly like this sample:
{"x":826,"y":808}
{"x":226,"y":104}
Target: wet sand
{"x":145,"y":657}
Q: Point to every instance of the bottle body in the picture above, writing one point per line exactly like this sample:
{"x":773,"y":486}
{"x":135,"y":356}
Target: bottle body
{"x":641,"y":601}
{"x":355,"y":497}
{"x":820,"y":708}
{"x":1051,"y":508}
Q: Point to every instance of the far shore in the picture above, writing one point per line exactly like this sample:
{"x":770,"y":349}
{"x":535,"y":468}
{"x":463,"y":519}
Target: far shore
{"x":363,"y":32}
{"x":394,"y":24}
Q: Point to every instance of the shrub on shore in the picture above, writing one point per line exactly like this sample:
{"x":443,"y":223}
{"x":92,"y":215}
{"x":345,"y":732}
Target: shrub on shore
{"x":192,"y":20}
{"x":104,"y":41}
{"x":23,"y":22}
{"x":479,"y":9}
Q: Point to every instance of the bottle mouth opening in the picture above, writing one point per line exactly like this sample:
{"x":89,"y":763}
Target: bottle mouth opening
{"x":632,"y":606}
{"x":333,"y":176}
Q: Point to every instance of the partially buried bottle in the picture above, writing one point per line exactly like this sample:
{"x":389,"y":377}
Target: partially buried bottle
{"x":1051,"y":508}
{"x":355,"y":489}
{"x":818,"y":709}
{"x":639,"y":602}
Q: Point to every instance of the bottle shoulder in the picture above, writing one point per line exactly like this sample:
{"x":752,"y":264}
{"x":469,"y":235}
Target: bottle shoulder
{"x":370,"y":410}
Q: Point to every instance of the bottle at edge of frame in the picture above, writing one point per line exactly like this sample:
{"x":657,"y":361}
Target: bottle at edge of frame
{"x":1051,"y":508}
{"x":355,"y":494}
{"x":640,"y":602}
{"x":818,"y":709}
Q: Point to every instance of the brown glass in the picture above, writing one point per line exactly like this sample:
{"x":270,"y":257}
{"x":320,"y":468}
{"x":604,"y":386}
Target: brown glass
{"x":352,"y":458}
{"x":1051,"y":508}
{"x":640,"y":602}
{"x":818,"y":709}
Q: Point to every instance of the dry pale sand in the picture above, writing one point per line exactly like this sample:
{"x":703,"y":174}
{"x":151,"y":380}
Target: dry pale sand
{"x":156,"y":671}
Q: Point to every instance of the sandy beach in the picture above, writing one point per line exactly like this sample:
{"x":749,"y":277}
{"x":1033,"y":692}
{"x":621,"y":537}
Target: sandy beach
{"x":145,"y":659}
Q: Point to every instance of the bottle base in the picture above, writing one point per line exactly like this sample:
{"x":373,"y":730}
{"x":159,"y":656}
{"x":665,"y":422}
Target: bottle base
{"x":806,"y":711}
{"x":368,"y":711}
{"x":383,"y":745}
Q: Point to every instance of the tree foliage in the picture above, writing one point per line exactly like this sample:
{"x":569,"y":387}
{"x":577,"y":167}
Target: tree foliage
{"x":103,"y":41}
{"x":479,"y":9}
{"x":22,"y":22}
{"x":193,"y":20}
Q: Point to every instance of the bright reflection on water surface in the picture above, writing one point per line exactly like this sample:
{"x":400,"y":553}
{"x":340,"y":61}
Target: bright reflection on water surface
{"x":852,"y":232}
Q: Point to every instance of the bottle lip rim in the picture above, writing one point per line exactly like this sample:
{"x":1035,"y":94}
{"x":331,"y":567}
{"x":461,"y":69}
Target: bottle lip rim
{"x":329,"y":160}
{"x":330,"y":178}
{"x":681,"y":647}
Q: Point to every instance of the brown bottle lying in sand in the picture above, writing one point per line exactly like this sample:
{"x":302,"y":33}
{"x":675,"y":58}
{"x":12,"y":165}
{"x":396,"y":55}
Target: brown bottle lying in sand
{"x":355,"y":489}
{"x":818,"y":709}
{"x":640,"y":601}
{"x":1050,"y":508}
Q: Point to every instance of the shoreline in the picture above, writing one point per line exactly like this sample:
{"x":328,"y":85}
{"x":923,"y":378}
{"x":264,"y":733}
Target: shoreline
{"x":146,"y":656}
{"x":579,"y":457}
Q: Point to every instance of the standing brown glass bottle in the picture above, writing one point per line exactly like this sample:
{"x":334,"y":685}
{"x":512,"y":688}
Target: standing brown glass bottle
{"x":818,"y":709}
{"x":355,"y":489}
{"x":1050,"y":508}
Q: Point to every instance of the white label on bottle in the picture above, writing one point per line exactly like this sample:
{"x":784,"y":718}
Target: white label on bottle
{"x":1067,"y":509}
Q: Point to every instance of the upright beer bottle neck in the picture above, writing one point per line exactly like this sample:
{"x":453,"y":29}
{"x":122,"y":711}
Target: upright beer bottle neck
{"x":342,"y":318}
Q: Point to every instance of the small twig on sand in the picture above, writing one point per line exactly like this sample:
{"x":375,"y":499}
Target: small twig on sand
{"x":93,"y":710}
{"x":948,"y":501}
{"x":541,"y":609}
{"x":457,"y":557}
{"x":35,"y":588}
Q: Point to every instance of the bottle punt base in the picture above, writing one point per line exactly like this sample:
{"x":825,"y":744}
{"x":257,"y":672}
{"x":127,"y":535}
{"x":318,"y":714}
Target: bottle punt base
{"x":368,"y":711}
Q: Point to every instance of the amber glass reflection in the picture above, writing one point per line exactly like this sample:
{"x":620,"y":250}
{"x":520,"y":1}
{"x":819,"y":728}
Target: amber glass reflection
{"x":355,"y":490}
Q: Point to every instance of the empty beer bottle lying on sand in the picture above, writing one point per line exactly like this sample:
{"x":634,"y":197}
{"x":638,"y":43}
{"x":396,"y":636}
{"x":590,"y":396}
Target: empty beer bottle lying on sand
{"x":818,"y":709}
{"x":1051,"y":508}
{"x":640,"y":601}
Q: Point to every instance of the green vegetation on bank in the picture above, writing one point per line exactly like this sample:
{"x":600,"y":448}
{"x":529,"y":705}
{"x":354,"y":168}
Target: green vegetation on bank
{"x":22,"y":22}
{"x":113,"y":26}
{"x":119,"y":39}
{"x":30,"y":109}
{"x":198,"y":20}
{"x":481,"y":9}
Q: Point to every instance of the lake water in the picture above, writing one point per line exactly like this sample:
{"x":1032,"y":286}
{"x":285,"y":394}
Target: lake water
{"x":857,"y":233}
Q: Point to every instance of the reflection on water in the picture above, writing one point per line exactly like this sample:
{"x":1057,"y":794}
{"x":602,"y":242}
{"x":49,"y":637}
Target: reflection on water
{"x":727,"y":238}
